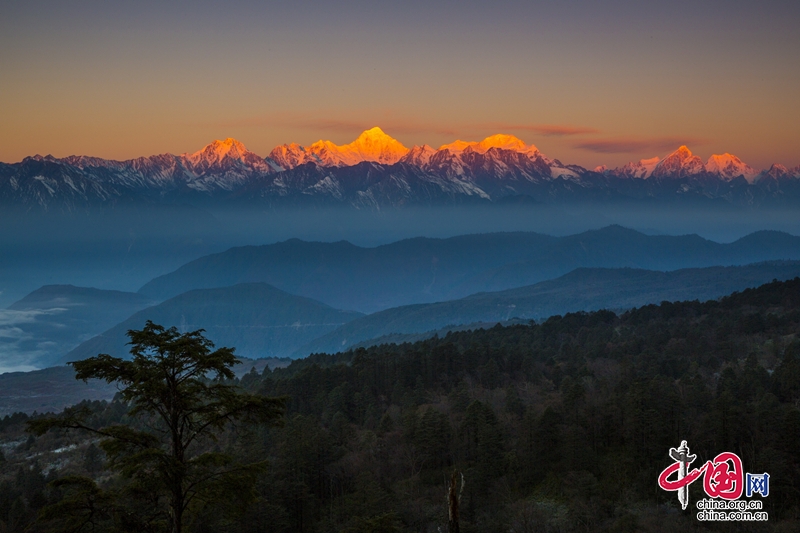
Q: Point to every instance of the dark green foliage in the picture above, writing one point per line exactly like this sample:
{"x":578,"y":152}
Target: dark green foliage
{"x":561,"y":426}
{"x":12,"y":420}
{"x":174,"y":384}
{"x":83,"y":507}
{"x":93,"y":459}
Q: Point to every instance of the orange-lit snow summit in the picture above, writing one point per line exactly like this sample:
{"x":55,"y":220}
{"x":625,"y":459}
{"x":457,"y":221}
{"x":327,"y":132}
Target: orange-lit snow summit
{"x":500,"y":140}
{"x":682,"y":163}
{"x":372,"y":145}
{"x":375,"y":145}
{"x":220,"y":155}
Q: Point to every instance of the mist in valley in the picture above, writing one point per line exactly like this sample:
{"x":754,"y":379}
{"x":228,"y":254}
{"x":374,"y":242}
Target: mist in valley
{"x":122,"y":249}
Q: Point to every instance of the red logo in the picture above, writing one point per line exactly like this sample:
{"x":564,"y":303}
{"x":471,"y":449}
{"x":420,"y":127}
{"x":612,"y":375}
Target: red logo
{"x":723,"y":477}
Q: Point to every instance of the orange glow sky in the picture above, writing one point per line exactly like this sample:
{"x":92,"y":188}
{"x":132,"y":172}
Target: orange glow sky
{"x":587,"y":82}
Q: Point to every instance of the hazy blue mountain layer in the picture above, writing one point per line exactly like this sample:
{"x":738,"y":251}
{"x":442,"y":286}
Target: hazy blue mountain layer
{"x":425,"y":270}
{"x":116,"y":249}
{"x":258,"y":319}
{"x":584,"y":289}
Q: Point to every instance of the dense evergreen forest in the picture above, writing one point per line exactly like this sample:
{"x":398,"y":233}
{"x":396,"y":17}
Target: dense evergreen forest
{"x":559,"y":426}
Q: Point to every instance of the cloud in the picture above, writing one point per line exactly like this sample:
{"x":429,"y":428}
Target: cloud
{"x":19,"y":349}
{"x":15,"y":357}
{"x":12,"y":332}
{"x":633,"y":145}
{"x":16,"y":368}
{"x":11,"y":317}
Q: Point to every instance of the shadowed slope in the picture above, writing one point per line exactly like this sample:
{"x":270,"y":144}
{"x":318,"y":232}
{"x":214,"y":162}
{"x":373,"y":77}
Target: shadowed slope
{"x":257,"y":319}
{"x":580,"y":290}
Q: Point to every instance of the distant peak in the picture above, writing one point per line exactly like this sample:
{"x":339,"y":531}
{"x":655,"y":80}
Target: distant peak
{"x":418,"y":155}
{"x":500,"y":140}
{"x":223,"y":147}
{"x":371,"y":145}
{"x":373,"y":133}
{"x":729,"y":166}
{"x":230,"y":141}
{"x":457,"y":146}
{"x":505,"y":142}
{"x":374,"y":145}
{"x":678,"y":164}
{"x":682,"y":153}
{"x":376,"y":135}
{"x":216,"y":152}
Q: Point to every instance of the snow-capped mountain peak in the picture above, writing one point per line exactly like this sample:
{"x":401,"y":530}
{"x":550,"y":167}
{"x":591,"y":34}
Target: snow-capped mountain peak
{"x":374,"y":145}
{"x":220,"y":157}
{"x":505,"y":142}
{"x":498,"y":167}
{"x":777,"y":171}
{"x":678,"y":164}
{"x":291,"y":155}
{"x":729,"y":166}
{"x":457,"y":146}
{"x":499,"y":140}
{"x":641,"y":169}
{"x":418,"y":156}
{"x":371,"y":145}
{"x":217,"y":150}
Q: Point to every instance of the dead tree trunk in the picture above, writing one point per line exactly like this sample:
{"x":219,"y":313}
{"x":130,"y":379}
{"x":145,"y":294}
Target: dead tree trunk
{"x":453,"y":499}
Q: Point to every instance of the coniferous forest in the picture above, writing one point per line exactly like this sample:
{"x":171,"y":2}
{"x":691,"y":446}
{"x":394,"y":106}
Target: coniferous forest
{"x":558,"y":426}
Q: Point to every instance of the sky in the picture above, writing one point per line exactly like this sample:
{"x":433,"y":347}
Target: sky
{"x":587,"y":82}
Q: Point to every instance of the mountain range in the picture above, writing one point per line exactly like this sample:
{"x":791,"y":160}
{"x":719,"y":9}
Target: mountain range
{"x":376,"y":171}
{"x":426,"y":270}
{"x":262,"y":321}
{"x":276,"y":299}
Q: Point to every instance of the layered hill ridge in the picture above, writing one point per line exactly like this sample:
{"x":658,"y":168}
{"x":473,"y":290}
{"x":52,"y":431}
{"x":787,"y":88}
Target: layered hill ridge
{"x":425,"y":270}
{"x":256,"y":318}
{"x":271,"y":300}
{"x":583,"y":289}
{"x":376,"y":170}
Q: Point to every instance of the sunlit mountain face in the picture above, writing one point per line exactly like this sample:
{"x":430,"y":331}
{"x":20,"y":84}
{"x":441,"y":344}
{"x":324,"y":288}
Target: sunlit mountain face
{"x":377,"y":170}
{"x":371,"y":145}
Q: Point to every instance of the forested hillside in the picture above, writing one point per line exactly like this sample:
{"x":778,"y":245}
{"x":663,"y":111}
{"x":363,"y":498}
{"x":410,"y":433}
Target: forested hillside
{"x":559,"y":426}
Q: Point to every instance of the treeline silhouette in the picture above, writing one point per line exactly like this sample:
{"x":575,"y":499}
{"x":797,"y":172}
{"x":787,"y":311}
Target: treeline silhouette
{"x":558,"y":426}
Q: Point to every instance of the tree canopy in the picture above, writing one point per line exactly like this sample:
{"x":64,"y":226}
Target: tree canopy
{"x":180,"y":400}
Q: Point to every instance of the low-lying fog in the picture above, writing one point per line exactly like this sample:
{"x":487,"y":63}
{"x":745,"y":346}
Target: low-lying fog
{"x":124,"y":249}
